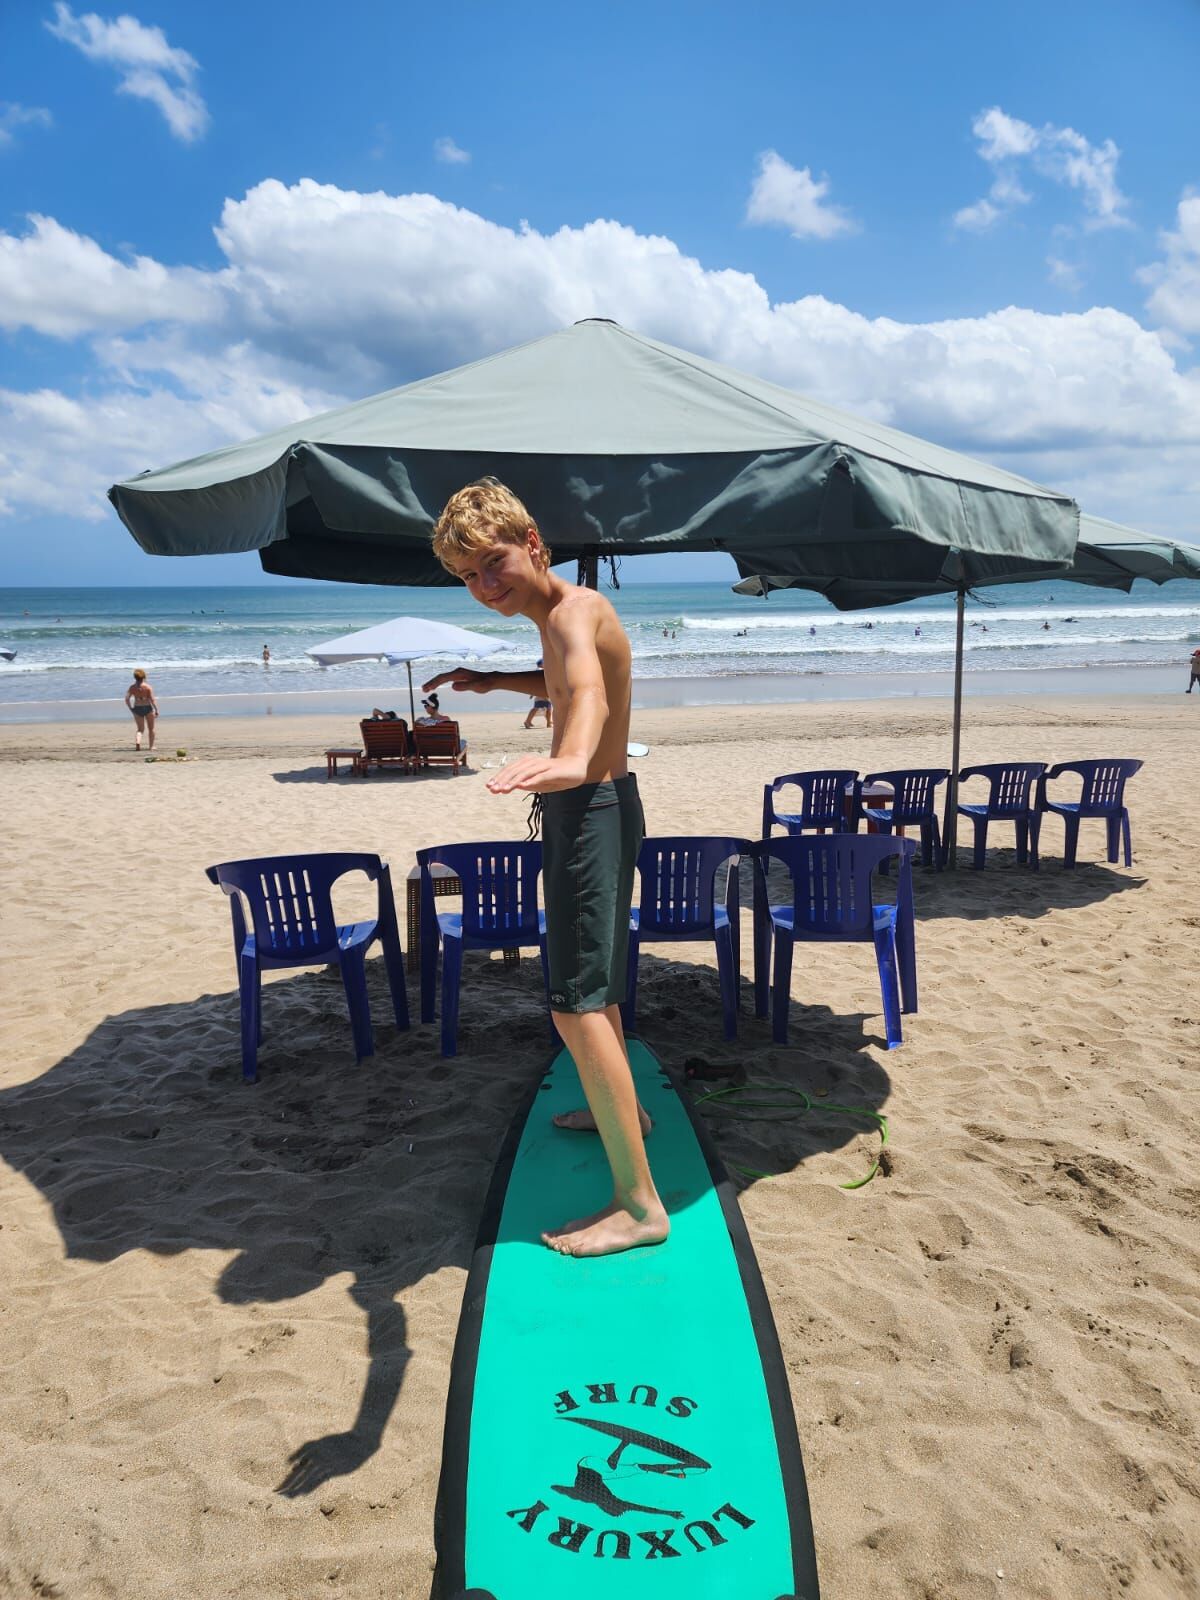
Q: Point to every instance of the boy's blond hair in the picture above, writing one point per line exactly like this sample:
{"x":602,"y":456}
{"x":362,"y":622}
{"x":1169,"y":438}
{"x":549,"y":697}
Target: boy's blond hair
{"x":482,"y":514}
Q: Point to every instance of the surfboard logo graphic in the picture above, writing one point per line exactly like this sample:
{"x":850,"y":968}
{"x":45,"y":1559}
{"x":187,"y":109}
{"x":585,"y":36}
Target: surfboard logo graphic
{"x":628,"y":1496}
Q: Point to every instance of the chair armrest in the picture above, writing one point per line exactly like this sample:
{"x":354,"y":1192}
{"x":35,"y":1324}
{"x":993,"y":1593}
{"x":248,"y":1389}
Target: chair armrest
{"x":972,"y":772}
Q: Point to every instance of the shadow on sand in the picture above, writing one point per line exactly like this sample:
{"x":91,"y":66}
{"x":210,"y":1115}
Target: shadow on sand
{"x":346,"y":778}
{"x":145,"y":1138}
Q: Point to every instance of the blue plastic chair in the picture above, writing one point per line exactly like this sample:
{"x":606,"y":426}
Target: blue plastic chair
{"x":1011,"y":800}
{"x":678,"y":877}
{"x":832,"y":904}
{"x":822,"y":805}
{"x":1102,"y":795}
{"x":499,"y":912}
{"x":291,"y":909}
{"x":913,"y":805}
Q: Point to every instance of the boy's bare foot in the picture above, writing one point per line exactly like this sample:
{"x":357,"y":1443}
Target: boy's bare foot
{"x":582,"y":1121}
{"x":609,"y":1231}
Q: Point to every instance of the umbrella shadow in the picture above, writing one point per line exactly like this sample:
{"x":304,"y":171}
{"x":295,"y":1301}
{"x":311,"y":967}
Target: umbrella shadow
{"x":1005,"y":888}
{"x":144,"y":1138}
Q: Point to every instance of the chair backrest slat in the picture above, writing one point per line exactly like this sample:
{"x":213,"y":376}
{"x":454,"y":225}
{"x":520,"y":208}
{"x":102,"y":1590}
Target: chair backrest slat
{"x":499,"y":887}
{"x":914,"y":792}
{"x":822,"y":799}
{"x":831,"y":878}
{"x":678,"y":877}
{"x":290,"y":900}
{"x":385,"y":738}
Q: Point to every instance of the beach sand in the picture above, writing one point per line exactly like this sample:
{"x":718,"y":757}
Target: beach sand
{"x":993,"y":1347}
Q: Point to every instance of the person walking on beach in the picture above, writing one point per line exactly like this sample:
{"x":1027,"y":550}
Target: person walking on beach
{"x":592,"y":828}
{"x":1195,"y":676}
{"x":543,"y":706}
{"x":266,"y":655}
{"x":140,"y":699}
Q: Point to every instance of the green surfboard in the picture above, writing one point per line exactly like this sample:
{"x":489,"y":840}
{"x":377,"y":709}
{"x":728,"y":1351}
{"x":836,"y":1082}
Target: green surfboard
{"x":618,"y":1428}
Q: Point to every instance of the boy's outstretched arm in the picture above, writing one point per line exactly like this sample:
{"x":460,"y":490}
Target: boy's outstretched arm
{"x":467,"y":678}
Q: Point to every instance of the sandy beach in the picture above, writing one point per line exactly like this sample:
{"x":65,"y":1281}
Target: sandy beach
{"x":227,"y":1312}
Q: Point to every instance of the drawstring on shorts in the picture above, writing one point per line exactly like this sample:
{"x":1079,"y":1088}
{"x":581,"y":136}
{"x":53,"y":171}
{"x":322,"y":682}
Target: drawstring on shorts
{"x":535,"y":817}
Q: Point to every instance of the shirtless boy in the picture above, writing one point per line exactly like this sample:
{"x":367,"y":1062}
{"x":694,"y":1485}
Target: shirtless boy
{"x":592,"y":828}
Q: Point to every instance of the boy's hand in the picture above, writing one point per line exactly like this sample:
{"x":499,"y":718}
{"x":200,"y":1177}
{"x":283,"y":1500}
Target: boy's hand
{"x":462,"y":678}
{"x":539,"y":774}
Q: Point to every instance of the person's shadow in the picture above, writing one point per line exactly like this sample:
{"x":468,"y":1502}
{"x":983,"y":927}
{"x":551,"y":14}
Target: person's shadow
{"x":145,"y":1138}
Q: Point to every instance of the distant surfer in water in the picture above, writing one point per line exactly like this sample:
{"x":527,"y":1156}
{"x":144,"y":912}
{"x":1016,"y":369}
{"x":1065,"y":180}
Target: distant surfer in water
{"x":592,"y":829}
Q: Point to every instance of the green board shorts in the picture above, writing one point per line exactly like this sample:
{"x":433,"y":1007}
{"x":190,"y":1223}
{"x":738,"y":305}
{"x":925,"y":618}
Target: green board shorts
{"x":591,"y":836}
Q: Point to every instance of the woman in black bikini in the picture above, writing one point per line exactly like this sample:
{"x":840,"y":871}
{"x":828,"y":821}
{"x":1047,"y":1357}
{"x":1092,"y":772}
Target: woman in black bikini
{"x":139,"y":697}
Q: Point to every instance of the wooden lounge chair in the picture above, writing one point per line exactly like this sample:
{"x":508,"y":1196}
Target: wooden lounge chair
{"x":386,"y":744}
{"x":440,"y":744}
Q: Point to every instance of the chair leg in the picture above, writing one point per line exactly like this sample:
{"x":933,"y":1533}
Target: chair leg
{"x":629,"y":1008}
{"x":250,"y":995}
{"x":393,"y":960}
{"x":1125,"y":833}
{"x":761,"y":940}
{"x":935,"y":839}
{"x":544,"y":953}
{"x":885,"y":956}
{"x":932,"y":855}
{"x":354,"y":981}
{"x":885,"y":866}
{"x":782,"y":986}
{"x":1022,"y":828}
{"x":451,"y":983}
{"x":1070,"y":839}
{"x":429,"y":964}
{"x":981,"y":826}
{"x":727,"y":972}
{"x":906,"y":959}
{"x":1035,"y":834}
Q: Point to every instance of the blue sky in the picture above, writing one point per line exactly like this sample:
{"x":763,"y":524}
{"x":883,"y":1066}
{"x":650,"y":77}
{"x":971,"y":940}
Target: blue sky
{"x":981,"y":224}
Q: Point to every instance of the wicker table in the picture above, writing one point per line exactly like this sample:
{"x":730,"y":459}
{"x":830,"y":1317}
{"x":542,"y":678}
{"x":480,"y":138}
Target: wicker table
{"x":332,"y":757}
{"x":444,"y":882}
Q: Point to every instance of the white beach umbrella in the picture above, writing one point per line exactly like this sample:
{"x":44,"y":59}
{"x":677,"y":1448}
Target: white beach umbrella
{"x":406,"y":639}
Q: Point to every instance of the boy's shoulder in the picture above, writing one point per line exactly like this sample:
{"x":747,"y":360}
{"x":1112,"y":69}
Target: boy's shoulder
{"x":578,"y":607}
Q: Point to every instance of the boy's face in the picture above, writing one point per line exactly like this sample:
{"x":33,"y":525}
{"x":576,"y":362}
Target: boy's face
{"x":501,"y":576}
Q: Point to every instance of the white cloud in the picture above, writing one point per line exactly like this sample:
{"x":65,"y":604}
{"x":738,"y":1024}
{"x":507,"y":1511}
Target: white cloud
{"x":1063,"y":273}
{"x":447,"y":151}
{"x":1002,"y":137}
{"x":150,"y":68}
{"x":14,"y":116}
{"x":1059,"y":154}
{"x":792,"y":198}
{"x":1175,"y":282}
{"x":327,"y":294}
{"x":64,"y":284}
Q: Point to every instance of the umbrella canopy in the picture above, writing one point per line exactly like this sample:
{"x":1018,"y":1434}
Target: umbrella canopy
{"x":406,"y":639}
{"x":619,"y":445}
{"x":1107,"y":556}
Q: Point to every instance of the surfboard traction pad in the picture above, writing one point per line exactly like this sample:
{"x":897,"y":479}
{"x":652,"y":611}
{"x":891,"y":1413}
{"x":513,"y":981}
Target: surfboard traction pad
{"x":628,"y":1418}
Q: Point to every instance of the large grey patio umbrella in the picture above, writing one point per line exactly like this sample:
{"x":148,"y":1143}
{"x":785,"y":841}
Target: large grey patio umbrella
{"x":406,"y":639}
{"x":1107,"y":556}
{"x":619,"y":445}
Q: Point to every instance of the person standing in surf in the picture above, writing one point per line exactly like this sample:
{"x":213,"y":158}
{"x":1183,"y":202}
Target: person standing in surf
{"x":592,"y":829}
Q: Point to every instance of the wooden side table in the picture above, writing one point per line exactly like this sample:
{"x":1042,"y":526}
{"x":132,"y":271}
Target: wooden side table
{"x":332,"y":757}
{"x":444,"y":882}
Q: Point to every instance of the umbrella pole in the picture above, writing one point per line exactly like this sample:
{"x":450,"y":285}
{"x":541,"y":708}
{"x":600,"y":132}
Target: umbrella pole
{"x":587,"y":574}
{"x":412,"y":704}
{"x":950,"y":831}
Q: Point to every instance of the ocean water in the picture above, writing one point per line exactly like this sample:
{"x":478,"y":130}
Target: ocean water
{"x":80,"y":645}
